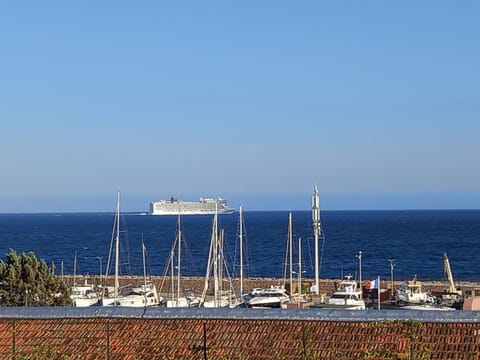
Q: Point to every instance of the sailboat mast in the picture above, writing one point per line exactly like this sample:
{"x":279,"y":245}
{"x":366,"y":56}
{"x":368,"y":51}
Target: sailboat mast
{"x":179,"y":256}
{"x":299,"y":291}
{"x":240,"y":236}
{"x":215,"y":257}
{"x":290,"y":247}
{"x":172,"y":273}
{"x":221,"y":261}
{"x":117,"y":248}
{"x":144,"y":273}
{"x":316,"y":232}
{"x":209,"y":265}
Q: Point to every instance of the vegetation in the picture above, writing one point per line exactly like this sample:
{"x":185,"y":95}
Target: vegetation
{"x":411,"y":329}
{"x":42,"y":354}
{"x":27,"y":281}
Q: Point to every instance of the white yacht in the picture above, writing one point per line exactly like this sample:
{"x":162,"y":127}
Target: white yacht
{"x":84,"y":295}
{"x":143,"y":295}
{"x":347,"y":296}
{"x":271,"y":297}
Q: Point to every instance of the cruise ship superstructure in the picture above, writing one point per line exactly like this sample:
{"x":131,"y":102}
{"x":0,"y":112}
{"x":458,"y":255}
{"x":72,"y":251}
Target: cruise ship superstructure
{"x":204,"y":206}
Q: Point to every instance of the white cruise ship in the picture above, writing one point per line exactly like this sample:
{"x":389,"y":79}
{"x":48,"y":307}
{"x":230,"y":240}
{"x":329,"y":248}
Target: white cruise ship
{"x":204,"y":206}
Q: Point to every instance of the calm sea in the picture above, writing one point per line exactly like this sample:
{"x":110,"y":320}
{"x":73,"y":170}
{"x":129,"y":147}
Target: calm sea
{"x":416,"y":240}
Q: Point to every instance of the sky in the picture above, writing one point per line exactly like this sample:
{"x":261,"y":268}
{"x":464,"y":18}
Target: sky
{"x":376,"y":102}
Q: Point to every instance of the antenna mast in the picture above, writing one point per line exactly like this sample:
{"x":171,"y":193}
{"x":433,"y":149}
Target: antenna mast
{"x":316,"y":232}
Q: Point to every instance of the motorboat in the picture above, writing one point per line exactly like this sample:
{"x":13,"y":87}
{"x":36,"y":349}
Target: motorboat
{"x":183,"y":302}
{"x":84,"y":295}
{"x":411,"y":293}
{"x":145,"y":294}
{"x":271,"y":297}
{"x":347,"y":296}
{"x":142,"y":295}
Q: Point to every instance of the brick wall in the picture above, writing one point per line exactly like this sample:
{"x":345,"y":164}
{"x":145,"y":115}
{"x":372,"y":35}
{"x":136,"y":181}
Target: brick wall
{"x":247,"y":334}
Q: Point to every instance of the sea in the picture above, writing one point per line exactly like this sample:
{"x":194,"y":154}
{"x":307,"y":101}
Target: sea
{"x":381,"y":243}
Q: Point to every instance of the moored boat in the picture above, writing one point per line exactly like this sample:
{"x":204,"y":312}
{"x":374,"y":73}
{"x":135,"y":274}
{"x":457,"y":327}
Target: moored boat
{"x":145,"y":294}
{"x":347,"y":296}
{"x":178,"y":297}
{"x":216,"y":268}
{"x":271,"y":297}
{"x":84,"y":295}
{"x":411,"y":293}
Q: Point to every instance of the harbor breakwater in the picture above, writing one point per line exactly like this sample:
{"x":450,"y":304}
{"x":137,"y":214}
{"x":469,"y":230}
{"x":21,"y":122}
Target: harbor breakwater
{"x":195,"y":284}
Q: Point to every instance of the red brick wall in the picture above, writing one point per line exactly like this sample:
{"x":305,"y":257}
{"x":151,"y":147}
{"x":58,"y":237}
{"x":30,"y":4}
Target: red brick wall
{"x":133,"y":338}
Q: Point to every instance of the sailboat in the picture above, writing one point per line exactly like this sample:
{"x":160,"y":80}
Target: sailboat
{"x":176,"y":299}
{"x":145,"y":294}
{"x":82,"y":295}
{"x":216,"y":266}
{"x":244,"y":295}
{"x":297,"y":300}
{"x":240,"y":245}
{"x":277,"y":296}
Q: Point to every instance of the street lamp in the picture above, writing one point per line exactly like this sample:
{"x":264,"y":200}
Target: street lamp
{"x":100,"y":258}
{"x":359,"y":257}
{"x":392,"y":265}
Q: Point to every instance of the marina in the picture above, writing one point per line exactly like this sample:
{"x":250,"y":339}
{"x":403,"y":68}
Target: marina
{"x":228,"y":256}
{"x":257,"y":286}
{"x":240,"y":181}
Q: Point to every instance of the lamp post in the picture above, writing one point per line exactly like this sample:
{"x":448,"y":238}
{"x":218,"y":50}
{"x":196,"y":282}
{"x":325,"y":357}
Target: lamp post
{"x":100,"y":258}
{"x":392,"y":265}
{"x":359,"y":257}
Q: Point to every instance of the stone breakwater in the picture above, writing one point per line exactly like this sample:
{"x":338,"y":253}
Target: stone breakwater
{"x":196,"y":284}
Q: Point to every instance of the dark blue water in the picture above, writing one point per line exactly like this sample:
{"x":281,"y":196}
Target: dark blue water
{"x":415,"y":239}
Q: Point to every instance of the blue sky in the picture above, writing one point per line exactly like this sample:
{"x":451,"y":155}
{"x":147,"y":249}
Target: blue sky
{"x":255,"y":101}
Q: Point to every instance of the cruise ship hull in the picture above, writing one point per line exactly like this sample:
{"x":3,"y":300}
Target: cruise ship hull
{"x":205,"y":206}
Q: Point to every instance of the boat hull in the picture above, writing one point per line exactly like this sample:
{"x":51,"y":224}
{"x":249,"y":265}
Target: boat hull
{"x":336,"y":306}
{"x":205,"y":206}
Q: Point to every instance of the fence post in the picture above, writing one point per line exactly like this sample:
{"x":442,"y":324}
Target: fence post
{"x":205,"y":341}
{"x":304,"y":342}
{"x":14,"y":345}
{"x":108,"y":340}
